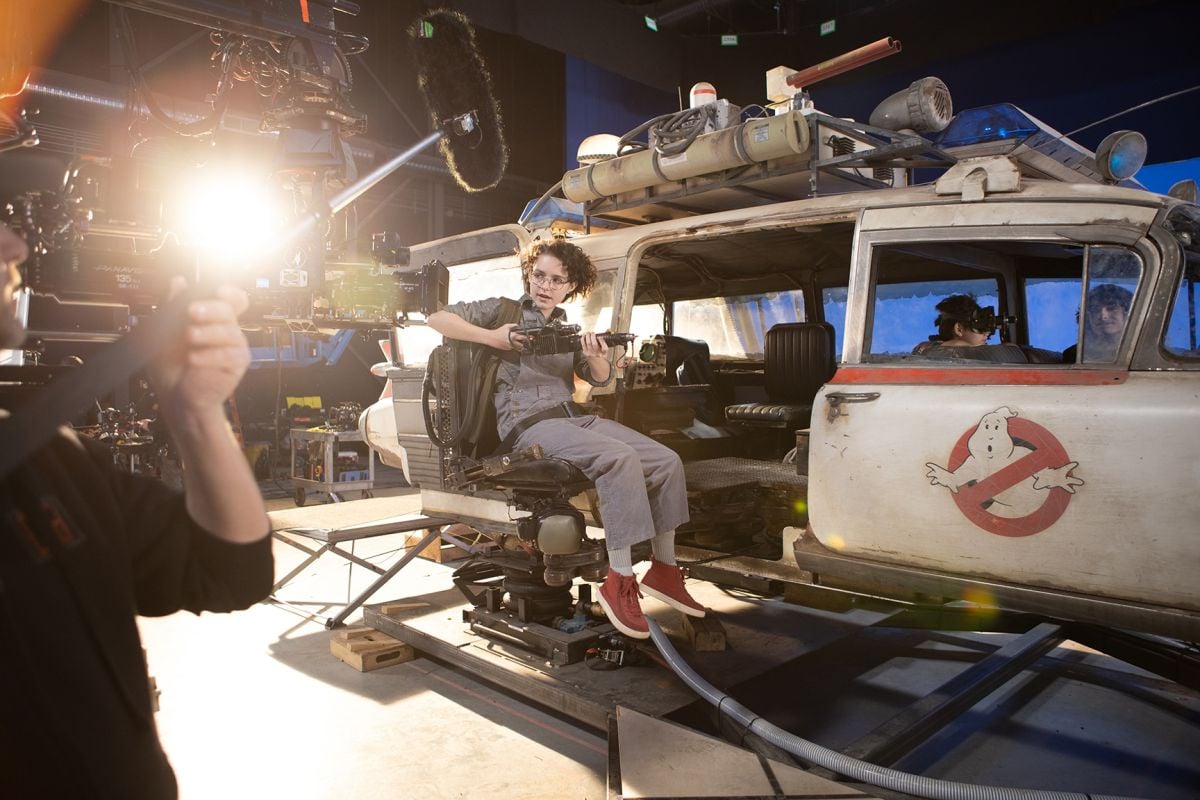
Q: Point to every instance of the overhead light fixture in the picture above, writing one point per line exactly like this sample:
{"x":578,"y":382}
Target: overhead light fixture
{"x":651,"y":23}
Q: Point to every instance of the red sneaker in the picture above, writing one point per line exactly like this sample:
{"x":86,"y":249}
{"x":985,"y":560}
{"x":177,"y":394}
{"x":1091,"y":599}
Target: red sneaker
{"x":665,"y":582}
{"x":619,"y":597}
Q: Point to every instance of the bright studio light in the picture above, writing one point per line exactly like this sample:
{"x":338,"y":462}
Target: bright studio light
{"x":231,"y":218}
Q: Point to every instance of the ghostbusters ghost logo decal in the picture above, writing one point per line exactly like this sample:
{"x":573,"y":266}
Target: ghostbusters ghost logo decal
{"x":1008,"y":475}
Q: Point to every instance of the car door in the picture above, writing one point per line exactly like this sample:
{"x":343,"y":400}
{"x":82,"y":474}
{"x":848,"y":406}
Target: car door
{"x":1074,"y":476}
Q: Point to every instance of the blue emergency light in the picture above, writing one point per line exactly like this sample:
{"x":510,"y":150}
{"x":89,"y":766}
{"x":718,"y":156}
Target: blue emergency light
{"x":1004,"y":129}
{"x":1000,"y":122}
{"x":547,"y":211}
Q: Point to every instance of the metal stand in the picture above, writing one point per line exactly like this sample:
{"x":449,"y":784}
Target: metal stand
{"x":330,"y":539}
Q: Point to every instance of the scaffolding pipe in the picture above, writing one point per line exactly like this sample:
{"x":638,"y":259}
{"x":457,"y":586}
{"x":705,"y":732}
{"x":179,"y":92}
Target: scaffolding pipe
{"x":887,"y":46}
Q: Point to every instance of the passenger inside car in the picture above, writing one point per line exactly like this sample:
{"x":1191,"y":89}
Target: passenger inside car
{"x":1107,"y":313}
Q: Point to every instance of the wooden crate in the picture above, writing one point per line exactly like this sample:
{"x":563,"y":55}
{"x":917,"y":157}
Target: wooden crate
{"x":366,"y":649}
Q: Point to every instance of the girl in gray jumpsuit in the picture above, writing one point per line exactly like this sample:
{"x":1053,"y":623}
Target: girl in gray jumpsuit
{"x":640,"y":482}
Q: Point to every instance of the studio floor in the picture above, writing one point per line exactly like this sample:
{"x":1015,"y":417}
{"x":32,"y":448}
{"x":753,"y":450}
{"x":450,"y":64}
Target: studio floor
{"x":254,"y":705}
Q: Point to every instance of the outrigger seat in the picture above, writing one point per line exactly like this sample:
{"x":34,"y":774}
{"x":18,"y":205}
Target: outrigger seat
{"x":479,"y":459}
{"x":798,"y":361}
{"x":555,"y":545}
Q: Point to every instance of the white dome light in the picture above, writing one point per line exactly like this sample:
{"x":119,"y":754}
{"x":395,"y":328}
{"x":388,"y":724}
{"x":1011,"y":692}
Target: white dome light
{"x":597,"y":147}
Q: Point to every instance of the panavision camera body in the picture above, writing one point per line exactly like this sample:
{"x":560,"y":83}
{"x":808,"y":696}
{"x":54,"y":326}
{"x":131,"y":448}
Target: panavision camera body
{"x":92,"y":265}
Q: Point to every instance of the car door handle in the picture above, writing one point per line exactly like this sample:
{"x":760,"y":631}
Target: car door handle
{"x":837,"y":399}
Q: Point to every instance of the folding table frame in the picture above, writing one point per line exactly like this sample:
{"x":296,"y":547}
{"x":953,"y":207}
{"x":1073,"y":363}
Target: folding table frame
{"x":330,"y":541}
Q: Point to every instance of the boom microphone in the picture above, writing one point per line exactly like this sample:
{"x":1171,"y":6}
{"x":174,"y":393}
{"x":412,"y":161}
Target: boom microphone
{"x":455,"y":82}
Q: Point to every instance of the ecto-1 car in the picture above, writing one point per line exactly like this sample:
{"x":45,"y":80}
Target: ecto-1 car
{"x":784,"y":302}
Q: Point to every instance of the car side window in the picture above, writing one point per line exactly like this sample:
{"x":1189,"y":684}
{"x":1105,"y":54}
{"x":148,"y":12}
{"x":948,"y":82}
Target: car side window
{"x":1182,"y":337}
{"x":1045,"y":298}
{"x":945,"y":300}
{"x":736,"y":326}
{"x":1112,"y":279}
{"x":905,"y":313}
{"x":911,"y":281}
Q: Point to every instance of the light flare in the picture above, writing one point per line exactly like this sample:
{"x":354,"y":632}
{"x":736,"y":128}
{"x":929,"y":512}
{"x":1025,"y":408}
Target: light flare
{"x":983,"y":602}
{"x":231,"y":218}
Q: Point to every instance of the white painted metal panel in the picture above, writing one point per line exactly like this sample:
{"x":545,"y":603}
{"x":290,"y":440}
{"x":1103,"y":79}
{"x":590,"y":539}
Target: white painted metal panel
{"x":1006,"y":213}
{"x":1129,"y":524}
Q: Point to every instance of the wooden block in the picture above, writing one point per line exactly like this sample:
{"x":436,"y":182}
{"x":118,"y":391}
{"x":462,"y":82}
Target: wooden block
{"x":437,"y":550}
{"x":706,"y":634}
{"x":366,"y":649}
{"x":387,"y":609}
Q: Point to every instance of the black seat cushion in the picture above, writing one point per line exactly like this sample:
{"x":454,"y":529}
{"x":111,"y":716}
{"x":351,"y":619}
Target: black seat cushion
{"x":664,"y":407}
{"x":785,"y":415}
{"x":468,"y":367}
{"x":798,"y":361}
{"x":544,"y":474}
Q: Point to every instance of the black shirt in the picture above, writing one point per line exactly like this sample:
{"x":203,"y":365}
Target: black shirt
{"x":84,"y":548}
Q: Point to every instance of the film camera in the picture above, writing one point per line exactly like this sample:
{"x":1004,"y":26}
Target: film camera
{"x":557,"y":337}
{"x":382,"y":295}
{"x":985,"y":320}
{"x":980,"y":320}
{"x":424,"y":290}
{"x":90,"y":269}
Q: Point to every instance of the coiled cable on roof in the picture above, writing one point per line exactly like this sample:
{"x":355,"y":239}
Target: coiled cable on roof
{"x":671,"y":134}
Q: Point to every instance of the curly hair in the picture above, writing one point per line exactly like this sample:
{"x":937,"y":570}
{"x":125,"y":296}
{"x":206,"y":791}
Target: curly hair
{"x":1109,"y":294}
{"x":579,"y":267}
{"x":955,"y":308}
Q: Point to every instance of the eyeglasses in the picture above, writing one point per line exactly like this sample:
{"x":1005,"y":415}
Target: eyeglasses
{"x":542,"y":279}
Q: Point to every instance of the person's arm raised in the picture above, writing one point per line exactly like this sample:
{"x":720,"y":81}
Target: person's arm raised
{"x":193,"y":377}
{"x":453,"y":326}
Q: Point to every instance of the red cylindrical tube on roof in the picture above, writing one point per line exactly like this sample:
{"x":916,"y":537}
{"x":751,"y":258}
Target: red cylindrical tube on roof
{"x":874,"y":51}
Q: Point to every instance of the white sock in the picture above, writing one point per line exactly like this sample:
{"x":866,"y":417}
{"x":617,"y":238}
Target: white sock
{"x":663,"y":546}
{"x":621,"y":560}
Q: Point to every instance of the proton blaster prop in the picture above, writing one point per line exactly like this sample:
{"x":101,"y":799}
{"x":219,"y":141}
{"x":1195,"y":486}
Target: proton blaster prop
{"x":548,"y":340}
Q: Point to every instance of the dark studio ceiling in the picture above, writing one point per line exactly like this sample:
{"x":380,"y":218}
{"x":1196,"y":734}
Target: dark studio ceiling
{"x":1069,"y":63}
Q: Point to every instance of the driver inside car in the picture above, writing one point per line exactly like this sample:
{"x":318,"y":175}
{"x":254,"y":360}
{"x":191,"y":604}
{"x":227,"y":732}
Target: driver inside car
{"x":964,"y":328}
{"x":958,"y":324}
